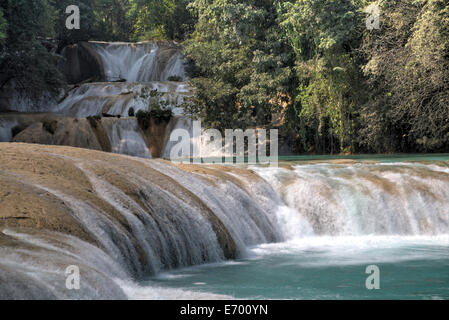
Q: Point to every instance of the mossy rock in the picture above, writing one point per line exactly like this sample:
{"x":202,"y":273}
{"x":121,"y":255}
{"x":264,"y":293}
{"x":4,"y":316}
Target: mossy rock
{"x":175,"y":79}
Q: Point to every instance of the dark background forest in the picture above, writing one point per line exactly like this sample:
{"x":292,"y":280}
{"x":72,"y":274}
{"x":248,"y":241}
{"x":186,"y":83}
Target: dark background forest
{"x":308,"y":67}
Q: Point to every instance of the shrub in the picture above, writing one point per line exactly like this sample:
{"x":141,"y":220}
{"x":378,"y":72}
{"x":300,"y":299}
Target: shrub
{"x":143,"y":118}
{"x":175,"y":78}
{"x":158,"y":114}
{"x":161,"y":115}
{"x":131,"y":112}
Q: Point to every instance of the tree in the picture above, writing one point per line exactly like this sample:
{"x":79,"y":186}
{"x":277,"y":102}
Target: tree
{"x":115,"y":21}
{"x":88,"y":23}
{"x":3,"y":26}
{"x":162,"y":19}
{"x":106,"y":20}
{"x":241,"y":61}
{"x":24,"y":60}
{"x":324,"y":35}
{"x":408,"y":69}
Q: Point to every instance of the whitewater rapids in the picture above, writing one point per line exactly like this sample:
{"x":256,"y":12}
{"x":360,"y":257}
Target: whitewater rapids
{"x":122,"y":219}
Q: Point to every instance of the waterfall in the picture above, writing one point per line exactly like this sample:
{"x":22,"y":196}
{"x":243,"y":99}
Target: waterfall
{"x":38,"y":271}
{"x":140,"y":217}
{"x":91,"y":99}
{"x":255,"y":222}
{"x":366,"y":199}
{"x":180,"y":123}
{"x":175,"y":68}
{"x":19,"y":100}
{"x":146,"y":69}
{"x":136,"y":217}
{"x":118,"y":98}
{"x":207,"y":148}
{"x":140,"y":62}
{"x":125,"y":137}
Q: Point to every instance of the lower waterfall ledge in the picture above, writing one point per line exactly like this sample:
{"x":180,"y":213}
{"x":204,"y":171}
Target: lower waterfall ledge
{"x":128,"y":208}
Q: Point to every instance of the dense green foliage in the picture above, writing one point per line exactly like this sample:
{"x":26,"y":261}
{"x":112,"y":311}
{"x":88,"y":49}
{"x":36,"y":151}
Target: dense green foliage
{"x":100,"y":19}
{"x":24,"y":58}
{"x":3,"y":27}
{"x":348,"y":89}
{"x":241,"y":62}
{"x":161,"y":19}
{"x":308,"y":67}
{"x":408,"y":74}
{"x":323,"y":35}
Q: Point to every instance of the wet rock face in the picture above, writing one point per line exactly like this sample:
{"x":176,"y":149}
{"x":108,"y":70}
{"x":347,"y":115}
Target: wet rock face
{"x":117,"y":135}
{"x":82,"y":63}
{"x":61,"y":131}
{"x":145,"y":215}
{"x":135,"y":211}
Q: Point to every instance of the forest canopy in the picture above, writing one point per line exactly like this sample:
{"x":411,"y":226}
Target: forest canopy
{"x":311,"y":68}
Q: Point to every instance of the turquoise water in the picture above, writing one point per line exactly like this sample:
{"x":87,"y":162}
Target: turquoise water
{"x":392,"y":158}
{"x":368,"y":157}
{"x":340,"y":219}
{"x":326,"y":268}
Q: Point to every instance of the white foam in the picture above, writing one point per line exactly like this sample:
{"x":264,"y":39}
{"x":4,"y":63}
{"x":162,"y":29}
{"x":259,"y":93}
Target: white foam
{"x":138,"y":292}
{"x":363,"y":199}
{"x":359,"y":250}
{"x":138,"y":62}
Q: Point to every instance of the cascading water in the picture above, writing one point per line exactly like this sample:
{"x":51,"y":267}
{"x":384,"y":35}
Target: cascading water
{"x":36,"y":272}
{"x":117,"y":98}
{"x":207,"y":149}
{"x":337,"y":219}
{"x":140,"y":62}
{"x":142,"y":218}
{"x":143,"y":66}
{"x":147,"y":217}
{"x":255,"y":223}
{"x":366,"y":199}
{"x":143,"y":70}
{"x":125,"y":137}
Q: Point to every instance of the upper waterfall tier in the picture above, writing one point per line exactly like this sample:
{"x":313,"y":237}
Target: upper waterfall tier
{"x":108,"y":76}
{"x":140,"y":62}
{"x":120,"y":61}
